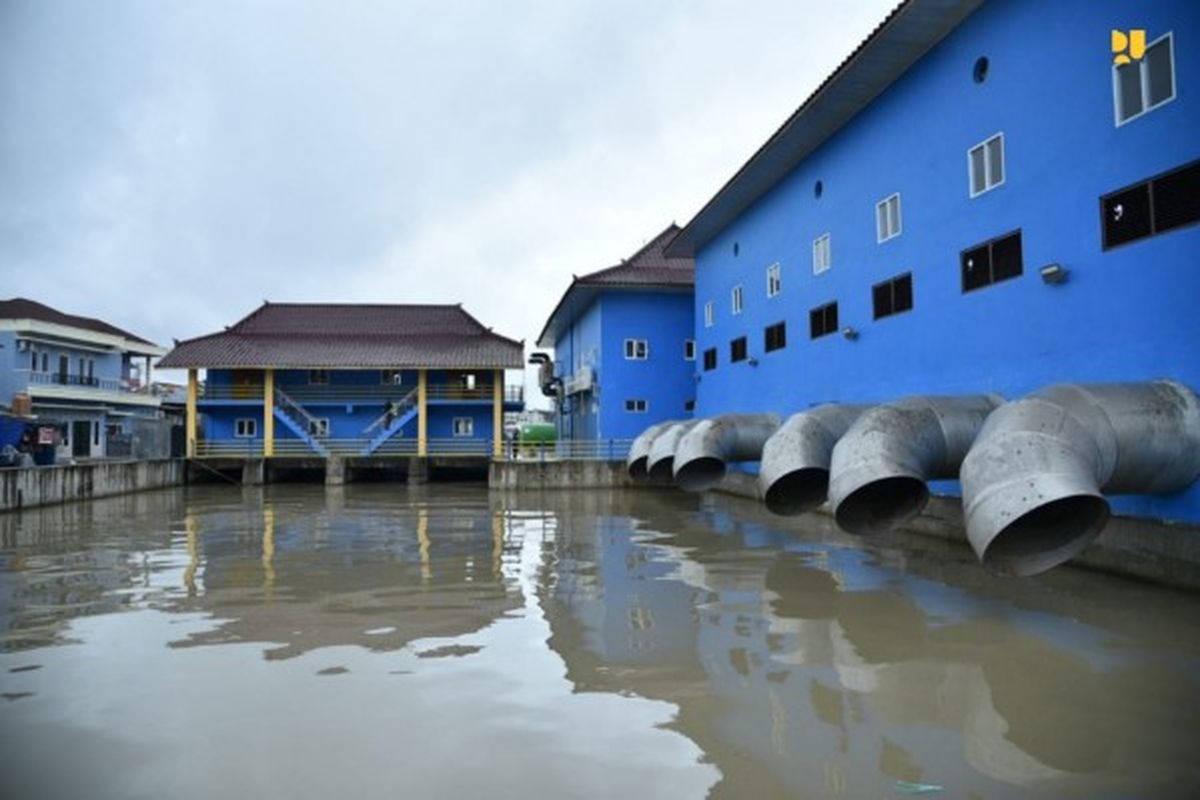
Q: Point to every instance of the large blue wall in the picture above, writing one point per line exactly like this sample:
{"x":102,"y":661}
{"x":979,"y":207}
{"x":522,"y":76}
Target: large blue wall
{"x":1129,"y":313}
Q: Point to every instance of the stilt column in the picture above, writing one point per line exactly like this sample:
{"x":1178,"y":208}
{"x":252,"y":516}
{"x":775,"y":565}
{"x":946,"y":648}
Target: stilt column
{"x":498,"y":414}
{"x":268,"y":413}
{"x":193,"y":389}
{"x":422,"y":416}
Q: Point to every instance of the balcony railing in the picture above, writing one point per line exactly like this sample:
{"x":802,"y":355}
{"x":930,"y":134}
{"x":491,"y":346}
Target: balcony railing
{"x":79,"y":381}
{"x":319,"y":393}
{"x":348,"y":448}
{"x":570,"y":450}
{"x":441,"y":391}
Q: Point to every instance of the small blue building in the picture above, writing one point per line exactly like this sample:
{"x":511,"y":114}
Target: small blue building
{"x":317,"y":380}
{"x":88,"y":375}
{"x":624,"y":355}
{"x":983,"y":197}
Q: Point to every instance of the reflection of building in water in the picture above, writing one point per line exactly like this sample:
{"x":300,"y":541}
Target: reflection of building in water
{"x":805,"y":664}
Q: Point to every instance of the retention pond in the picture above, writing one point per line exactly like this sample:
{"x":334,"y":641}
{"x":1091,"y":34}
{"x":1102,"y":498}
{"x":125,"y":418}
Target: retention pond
{"x":441,"y":641}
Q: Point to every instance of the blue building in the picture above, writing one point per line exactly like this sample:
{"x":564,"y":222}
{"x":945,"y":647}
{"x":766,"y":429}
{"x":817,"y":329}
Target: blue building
{"x":624,"y":355}
{"x":88,"y":375}
{"x":315,"y":380}
{"x":979,"y":199}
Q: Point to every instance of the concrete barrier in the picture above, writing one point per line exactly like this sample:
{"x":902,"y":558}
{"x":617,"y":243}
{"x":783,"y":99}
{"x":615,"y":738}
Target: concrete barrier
{"x":509,"y":475}
{"x":31,"y":487}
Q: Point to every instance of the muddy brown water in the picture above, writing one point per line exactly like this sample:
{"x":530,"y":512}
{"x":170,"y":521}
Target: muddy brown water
{"x":438,"y":641}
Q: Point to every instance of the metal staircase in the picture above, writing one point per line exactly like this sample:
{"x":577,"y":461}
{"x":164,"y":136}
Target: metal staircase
{"x":296,"y":419}
{"x":398,"y":414}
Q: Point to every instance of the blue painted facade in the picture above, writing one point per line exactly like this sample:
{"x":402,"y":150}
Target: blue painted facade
{"x":1125,"y":313}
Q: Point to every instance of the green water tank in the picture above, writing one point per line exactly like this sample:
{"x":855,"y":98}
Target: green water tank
{"x":537,"y":432}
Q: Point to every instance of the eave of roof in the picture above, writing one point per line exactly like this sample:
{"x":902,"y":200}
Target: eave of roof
{"x":904,"y":36}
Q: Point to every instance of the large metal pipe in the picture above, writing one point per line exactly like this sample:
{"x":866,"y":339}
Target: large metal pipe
{"x":701,"y":455}
{"x":794,"y":476}
{"x":1032,"y":481}
{"x":879,"y":468}
{"x":660,"y":462}
{"x":639,"y":451}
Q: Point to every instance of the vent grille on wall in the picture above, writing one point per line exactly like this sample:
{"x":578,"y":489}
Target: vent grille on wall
{"x":1158,"y":205}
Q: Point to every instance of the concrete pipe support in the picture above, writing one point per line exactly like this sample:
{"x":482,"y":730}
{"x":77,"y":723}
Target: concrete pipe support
{"x":701,"y":455}
{"x":1033,"y":480}
{"x":880,"y":467}
{"x":794,"y":476}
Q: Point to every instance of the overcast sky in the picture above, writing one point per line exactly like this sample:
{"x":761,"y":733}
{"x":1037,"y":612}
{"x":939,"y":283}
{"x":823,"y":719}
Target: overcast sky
{"x":168,"y":165}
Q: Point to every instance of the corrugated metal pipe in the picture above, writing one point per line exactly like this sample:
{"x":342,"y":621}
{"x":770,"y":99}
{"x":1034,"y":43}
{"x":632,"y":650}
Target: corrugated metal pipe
{"x":794,"y":476}
{"x":879,"y":468}
{"x":661,"y":461}
{"x":701,"y":455}
{"x":639,"y":451}
{"x":1032,"y":481}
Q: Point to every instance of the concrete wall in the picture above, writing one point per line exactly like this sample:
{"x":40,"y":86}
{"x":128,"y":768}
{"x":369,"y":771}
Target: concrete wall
{"x":40,"y":486}
{"x":1127,"y":313}
{"x":508,"y":475}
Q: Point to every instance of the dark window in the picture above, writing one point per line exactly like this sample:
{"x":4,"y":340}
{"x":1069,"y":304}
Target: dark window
{"x":1155,"y":206}
{"x":775,"y":337}
{"x":710,"y":359}
{"x":635,"y":406}
{"x":823,"y":320}
{"x":737,"y":349}
{"x":991,"y":262}
{"x":892,"y":296}
{"x":689,"y":405}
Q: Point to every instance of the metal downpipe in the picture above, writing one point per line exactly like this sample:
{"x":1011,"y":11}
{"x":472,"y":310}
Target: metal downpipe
{"x":701,"y":455}
{"x":794,"y":476}
{"x":879,"y":468}
{"x":660,"y":462}
{"x":1032,"y":482}
{"x":639,"y":451}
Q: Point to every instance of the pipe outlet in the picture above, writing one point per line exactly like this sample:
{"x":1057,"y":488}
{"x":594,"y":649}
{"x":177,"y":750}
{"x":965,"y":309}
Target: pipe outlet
{"x":701,"y":455}
{"x":660,"y":462}
{"x":879,"y":468}
{"x":1033,"y":481}
{"x":639,"y":451}
{"x":794,"y":476}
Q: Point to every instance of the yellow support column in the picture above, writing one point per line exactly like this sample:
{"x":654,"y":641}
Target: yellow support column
{"x":193,"y":388}
{"x":268,"y":413}
{"x":422,"y":418}
{"x":498,"y":414}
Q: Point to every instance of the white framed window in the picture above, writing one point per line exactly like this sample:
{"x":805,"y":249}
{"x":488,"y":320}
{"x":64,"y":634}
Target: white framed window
{"x":1147,"y":83}
{"x":635,"y":406}
{"x":245,"y":428}
{"x":391,"y":377}
{"x":822,"y":254}
{"x":887,"y":218}
{"x":318,"y":377}
{"x":985,"y":163}
{"x":774,"y":282}
{"x":689,"y":349}
{"x":318,"y":427}
{"x":709,"y":313}
{"x":735,"y":299}
{"x":464,"y":426}
{"x":637,"y":349}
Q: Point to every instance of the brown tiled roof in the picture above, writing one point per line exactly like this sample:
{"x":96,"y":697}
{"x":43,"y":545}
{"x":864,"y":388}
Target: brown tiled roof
{"x":24,"y":308}
{"x":341,"y":336}
{"x":648,"y":268}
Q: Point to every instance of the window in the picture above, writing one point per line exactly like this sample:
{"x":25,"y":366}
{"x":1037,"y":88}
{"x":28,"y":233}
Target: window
{"x":892,"y":296}
{"x":96,"y":434}
{"x":464,"y":426}
{"x":823,"y":320}
{"x":33,"y":360}
{"x":318,"y":377}
{"x":992,"y":262}
{"x":636,"y":349}
{"x":708,"y":314}
{"x":710,"y":359}
{"x":91,"y":371}
{"x":689,"y":349}
{"x":887,"y":218}
{"x":737,"y":349}
{"x":467,"y":381}
{"x":635,"y":406}
{"x":774,"y":284}
{"x":45,"y":362}
{"x":986,"y":162}
{"x":735,"y":300}
{"x":245,"y":428}
{"x":775,"y":337}
{"x":318,"y":427}
{"x":689,"y":405}
{"x":1170,"y":201}
{"x":83,"y":370}
{"x":391,"y":377}
{"x":822,"y":256}
{"x":1147,"y":83}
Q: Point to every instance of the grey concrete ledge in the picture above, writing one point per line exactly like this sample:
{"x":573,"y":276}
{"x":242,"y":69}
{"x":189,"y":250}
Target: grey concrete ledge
{"x":31,"y":487}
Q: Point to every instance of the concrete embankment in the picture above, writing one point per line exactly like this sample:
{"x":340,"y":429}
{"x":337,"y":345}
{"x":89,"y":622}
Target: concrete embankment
{"x":43,"y":486}
{"x":1162,"y":553}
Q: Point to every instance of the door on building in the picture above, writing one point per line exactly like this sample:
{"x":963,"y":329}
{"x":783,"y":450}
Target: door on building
{"x":81,"y":438}
{"x":64,"y":369}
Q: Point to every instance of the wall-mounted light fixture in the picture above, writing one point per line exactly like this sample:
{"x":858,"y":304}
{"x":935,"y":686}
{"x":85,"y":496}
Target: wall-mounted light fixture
{"x":850,"y":333}
{"x":1054,"y":273}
